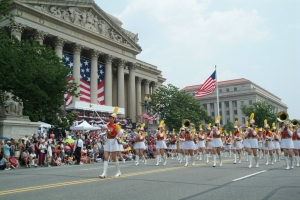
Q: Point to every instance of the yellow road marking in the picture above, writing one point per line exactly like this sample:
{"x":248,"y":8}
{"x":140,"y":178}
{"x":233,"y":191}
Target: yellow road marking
{"x":92,"y":180}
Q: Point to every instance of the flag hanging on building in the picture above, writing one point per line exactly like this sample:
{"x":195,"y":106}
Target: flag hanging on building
{"x":208,"y":86}
{"x":85,"y":80}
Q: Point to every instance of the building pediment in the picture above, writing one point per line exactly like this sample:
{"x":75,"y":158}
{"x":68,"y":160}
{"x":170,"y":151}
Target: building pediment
{"x":88,"y":15}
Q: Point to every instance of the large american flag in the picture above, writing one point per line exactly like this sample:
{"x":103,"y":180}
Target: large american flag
{"x":85,"y":80}
{"x":208,"y":86}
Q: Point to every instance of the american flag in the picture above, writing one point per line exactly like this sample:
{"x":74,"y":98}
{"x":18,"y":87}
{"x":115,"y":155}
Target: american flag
{"x":208,"y":86}
{"x":85,"y":80}
{"x":146,"y":116}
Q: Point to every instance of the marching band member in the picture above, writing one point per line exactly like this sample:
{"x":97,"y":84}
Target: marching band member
{"x":111,"y":145}
{"x":200,"y":143}
{"x":260,"y":143}
{"x":173,"y":147}
{"x":140,"y":145}
{"x":188,"y":145}
{"x":237,"y":141}
{"x":216,"y":142}
{"x":286,"y":143}
{"x":121,"y":149}
{"x":208,"y":143}
{"x":180,"y":141}
{"x":252,"y":142}
{"x":227,"y":146}
{"x":276,"y":143}
{"x":269,"y":146}
{"x":245,"y":144}
{"x":296,"y":141}
{"x":161,"y":144}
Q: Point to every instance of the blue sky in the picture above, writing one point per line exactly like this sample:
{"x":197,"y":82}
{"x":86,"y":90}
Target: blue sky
{"x":257,"y":40}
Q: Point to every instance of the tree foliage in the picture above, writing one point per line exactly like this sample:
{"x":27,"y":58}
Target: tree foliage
{"x":173,"y":106}
{"x":262,"y":110}
{"x":228,"y":127}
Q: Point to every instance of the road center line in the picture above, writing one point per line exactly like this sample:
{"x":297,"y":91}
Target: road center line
{"x":238,"y":179}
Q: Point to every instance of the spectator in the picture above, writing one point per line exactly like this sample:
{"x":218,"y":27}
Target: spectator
{"x":49,"y":154}
{"x":26,"y":158}
{"x":4,"y":164}
{"x":71,"y":160}
{"x":55,"y":161}
{"x":14,"y":162}
{"x":34,"y":159}
{"x":6,"y":150}
{"x":42,"y":148}
{"x":26,"y":139}
{"x":1,"y":146}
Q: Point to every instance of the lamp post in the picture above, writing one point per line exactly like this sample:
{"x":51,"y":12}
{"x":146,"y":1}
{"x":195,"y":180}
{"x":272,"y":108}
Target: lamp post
{"x":147,"y":108}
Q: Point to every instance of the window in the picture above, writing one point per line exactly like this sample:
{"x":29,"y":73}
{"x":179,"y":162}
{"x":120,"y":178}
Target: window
{"x":242,"y":88}
{"x":205,"y":106}
{"x":220,"y":90}
{"x":250,"y":102}
{"x":228,"y":120}
{"x":213,"y":114}
{"x":220,"y":113}
{"x":220,"y":105}
{"x":227,"y":89}
{"x":234,"y":103}
{"x":243,"y":120}
{"x":235,"y":112}
{"x":221,"y":122}
{"x":211,"y":106}
{"x":227,"y":104}
{"x":242,"y":102}
{"x":227,"y":113}
{"x":235,"y":88}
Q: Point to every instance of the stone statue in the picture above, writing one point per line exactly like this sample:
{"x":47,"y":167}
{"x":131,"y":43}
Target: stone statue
{"x":12,"y":107}
{"x":41,"y":8}
{"x":20,"y":108}
{"x":84,"y":18}
{"x":136,"y":38}
{"x":66,"y":15}
{"x":55,"y":11}
{"x":75,"y":15}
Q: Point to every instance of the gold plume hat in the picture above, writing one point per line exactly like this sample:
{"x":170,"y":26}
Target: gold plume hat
{"x":218,"y":119}
{"x":252,"y":121}
{"x":236,"y":123}
{"x":114,"y":114}
{"x":209,"y":126}
{"x":266,"y":125}
{"x":200,"y":127}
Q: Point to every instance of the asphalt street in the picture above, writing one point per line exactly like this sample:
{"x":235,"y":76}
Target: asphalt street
{"x":172,"y":181}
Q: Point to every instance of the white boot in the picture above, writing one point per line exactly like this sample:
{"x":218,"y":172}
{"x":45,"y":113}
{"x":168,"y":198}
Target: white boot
{"x":234,"y":156}
{"x":105,"y":165}
{"x":180,"y":157}
{"x":220,"y":159}
{"x":292,"y":164}
{"x":207,"y":159}
{"x":272,"y":159}
{"x":186,"y":160}
{"x":256,"y":161}
{"x":287,"y":162}
{"x":200,"y":155}
{"x":247,"y":156}
{"x":172,"y":154}
{"x":165,"y":159}
{"x":275,"y":157}
{"x":157,"y":159}
{"x":145,"y":160}
{"x":137,"y":160}
{"x":278,"y":158}
{"x":267,"y":158}
{"x":193,"y":159}
{"x":160,"y":157}
{"x":229,"y":153}
{"x":250,"y":161}
{"x":215,"y":160}
{"x":118,"y":170}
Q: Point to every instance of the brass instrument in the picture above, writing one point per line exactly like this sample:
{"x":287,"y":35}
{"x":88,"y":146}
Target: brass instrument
{"x":186,"y":123}
{"x":295,"y":123}
{"x":283,"y":117}
{"x":234,"y":142}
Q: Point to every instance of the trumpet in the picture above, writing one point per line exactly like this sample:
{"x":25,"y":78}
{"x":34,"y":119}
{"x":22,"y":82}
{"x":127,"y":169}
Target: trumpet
{"x":295,"y":123}
{"x":283,"y":118}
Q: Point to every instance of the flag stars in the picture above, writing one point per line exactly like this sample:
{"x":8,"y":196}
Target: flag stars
{"x":87,"y":69}
{"x":86,"y":63}
{"x":101,"y":72}
{"x":70,"y":64}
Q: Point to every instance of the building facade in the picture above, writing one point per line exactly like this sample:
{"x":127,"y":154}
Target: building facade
{"x":232,"y":95}
{"x":80,"y":28}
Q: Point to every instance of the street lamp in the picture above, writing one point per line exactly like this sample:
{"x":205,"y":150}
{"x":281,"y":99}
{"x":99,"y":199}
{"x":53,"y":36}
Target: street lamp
{"x":147,"y":108}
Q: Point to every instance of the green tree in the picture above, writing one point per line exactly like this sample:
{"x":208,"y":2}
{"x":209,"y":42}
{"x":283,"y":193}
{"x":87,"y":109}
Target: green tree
{"x":66,"y":122}
{"x":262,"y":110}
{"x":173,"y":106}
{"x":228,"y":127}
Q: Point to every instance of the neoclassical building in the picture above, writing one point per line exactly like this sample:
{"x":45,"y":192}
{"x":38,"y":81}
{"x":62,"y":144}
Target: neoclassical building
{"x":81,"y":29}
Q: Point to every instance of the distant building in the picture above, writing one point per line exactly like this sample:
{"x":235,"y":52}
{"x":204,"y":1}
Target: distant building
{"x":233,"y":94}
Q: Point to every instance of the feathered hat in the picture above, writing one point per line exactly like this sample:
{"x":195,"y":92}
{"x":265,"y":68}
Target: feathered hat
{"x":247,"y":124}
{"x":209,"y":126}
{"x":114,"y":114}
{"x":142,"y":127}
{"x":200,"y":127}
{"x":273,"y":126}
{"x":236,"y":123}
{"x":252,"y":121}
{"x":266,"y":125}
{"x":162,"y":124}
{"x":217,"y":120}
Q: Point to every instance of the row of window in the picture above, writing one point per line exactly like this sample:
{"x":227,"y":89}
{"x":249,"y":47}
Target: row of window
{"x":235,"y":112}
{"x":234,"y":104}
{"x":228,"y":89}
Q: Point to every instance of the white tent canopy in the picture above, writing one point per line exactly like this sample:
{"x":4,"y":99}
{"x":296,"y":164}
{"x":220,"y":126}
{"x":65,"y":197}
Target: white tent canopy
{"x":84,"y":126}
{"x":44,"y":125}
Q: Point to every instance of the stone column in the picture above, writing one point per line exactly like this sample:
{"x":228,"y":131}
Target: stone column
{"x":39,"y":36}
{"x":94,"y":76}
{"x":108,"y":80}
{"x":155,"y":85}
{"x":76,"y":67}
{"x":231,"y":112}
{"x":132,"y":95}
{"x":147,"y":83}
{"x":17,"y":29}
{"x":139,"y":96}
{"x":58,"y":46}
{"x":223,"y":117}
{"x":121,"y":88}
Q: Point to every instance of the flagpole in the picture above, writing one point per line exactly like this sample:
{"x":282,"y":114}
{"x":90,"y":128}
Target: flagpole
{"x":217,"y":92}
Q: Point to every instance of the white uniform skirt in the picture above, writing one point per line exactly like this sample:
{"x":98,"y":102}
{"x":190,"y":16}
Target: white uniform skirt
{"x":140,"y":145}
{"x":121,"y":148}
{"x":227,"y":146}
{"x":188,"y":145}
{"x":201,"y":144}
{"x":245,"y":143}
{"x":260,"y":144}
{"x":111,"y":145}
{"x":276,"y":144}
{"x":238,"y":146}
{"x":270,"y":146}
{"x":173,"y":147}
{"x":286,"y":143}
{"x":180,"y":144}
{"x":209,"y":145}
{"x":161,"y":144}
{"x":217,"y":142}
{"x":252,"y":143}
{"x":296,"y":144}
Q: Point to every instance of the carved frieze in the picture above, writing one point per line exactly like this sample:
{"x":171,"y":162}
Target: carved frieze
{"x":88,"y":19}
